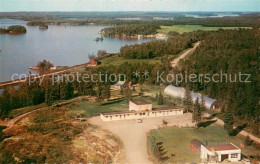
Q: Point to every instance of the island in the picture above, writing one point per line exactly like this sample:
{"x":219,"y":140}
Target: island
{"x":43,"y":27}
{"x":17,"y":29}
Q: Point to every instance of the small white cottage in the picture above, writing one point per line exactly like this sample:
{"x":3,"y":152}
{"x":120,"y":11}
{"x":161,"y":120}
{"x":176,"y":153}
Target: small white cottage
{"x":219,"y":153}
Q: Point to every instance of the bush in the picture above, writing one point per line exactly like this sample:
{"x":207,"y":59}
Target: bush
{"x":248,"y":141}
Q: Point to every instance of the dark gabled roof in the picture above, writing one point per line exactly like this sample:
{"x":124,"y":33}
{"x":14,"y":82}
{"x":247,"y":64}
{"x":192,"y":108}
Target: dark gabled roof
{"x":197,"y":143}
{"x":140,"y":102}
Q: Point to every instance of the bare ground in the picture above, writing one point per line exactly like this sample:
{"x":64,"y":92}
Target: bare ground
{"x":134,"y":135}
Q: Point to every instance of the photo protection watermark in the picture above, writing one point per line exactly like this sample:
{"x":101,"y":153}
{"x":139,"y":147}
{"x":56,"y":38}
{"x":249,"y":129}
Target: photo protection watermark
{"x":203,"y":78}
{"x":160,"y":77}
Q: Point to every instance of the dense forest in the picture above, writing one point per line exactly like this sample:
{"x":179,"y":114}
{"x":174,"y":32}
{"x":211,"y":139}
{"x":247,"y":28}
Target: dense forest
{"x":230,"y":52}
{"x":110,"y":18}
{"x":131,"y":30}
{"x":157,"y":48}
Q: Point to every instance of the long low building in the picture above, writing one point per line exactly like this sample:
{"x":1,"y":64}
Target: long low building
{"x":180,"y":93}
{"x":141,"y":109}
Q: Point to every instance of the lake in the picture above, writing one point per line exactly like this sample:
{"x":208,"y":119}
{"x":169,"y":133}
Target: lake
{"x":61,"y":45}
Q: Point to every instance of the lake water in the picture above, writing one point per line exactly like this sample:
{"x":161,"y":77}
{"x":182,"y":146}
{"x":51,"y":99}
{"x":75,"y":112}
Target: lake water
{"x":61,"y":45}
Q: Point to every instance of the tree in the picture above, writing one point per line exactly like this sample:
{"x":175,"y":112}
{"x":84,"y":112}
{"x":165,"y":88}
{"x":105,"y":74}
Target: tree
{"x":49,"y":96}
{"x":44,"y":65}
{"x":228,"y":121}
{"x":103,"y":92}
{"x":160,"y":99}
{"x":196,"y":115}
{"x":101,"y":53}
{"x":248,"y":141}
{"x":5,"y":102}
{"x":203,"y":104}
{"x":127,"y":92}
{"x":188,"y":100}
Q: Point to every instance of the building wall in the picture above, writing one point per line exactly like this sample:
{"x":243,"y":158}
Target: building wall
{"x":139,"y":115}
{"x":134,"y":107}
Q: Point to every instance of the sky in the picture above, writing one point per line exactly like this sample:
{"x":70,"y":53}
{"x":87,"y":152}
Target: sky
{"x":129,"y":5}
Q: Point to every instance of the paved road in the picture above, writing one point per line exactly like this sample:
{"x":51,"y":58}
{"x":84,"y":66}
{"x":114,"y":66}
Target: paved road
{"x":134,"y":135}
{"x":175,"y":62}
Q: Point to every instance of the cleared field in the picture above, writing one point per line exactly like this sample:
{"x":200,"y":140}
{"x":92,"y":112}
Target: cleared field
{"x":116,"y":60}
{"x":177,"y":141}
{"x":20,"y":111}
{"x":189,"y":28}
{"x":95,"y":108}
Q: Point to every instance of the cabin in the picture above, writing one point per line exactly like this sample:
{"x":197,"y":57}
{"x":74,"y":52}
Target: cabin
{"x":180,"y":93}
{"x":219,"y":153}
{"x":93,"y":62}
{"x":139,"y":109}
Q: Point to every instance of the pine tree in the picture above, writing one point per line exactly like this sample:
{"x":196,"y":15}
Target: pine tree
{"x":228,"y":121}
{"x":5,"y":102}
{"x":188,"y":100}
{"x":203,"y":104}
{"x":49,"y":96}
{"x":196,"y":115}
{"x":160,"y":99}
{"x":127,"y":92}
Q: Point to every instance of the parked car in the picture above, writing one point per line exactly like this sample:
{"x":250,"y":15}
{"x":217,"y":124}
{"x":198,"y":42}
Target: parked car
{"x":139,"y":121}
{"x":246,"y":161}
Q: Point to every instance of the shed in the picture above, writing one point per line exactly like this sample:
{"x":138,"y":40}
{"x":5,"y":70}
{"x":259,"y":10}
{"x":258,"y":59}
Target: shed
{"x":180,"y":92}
{"x":120,"y":83}
{"x":195,"y":145}
{"x":93,"y":62}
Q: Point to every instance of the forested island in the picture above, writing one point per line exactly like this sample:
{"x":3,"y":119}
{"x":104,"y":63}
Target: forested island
{"x":13,"y":30}
{"x":131,"y":30}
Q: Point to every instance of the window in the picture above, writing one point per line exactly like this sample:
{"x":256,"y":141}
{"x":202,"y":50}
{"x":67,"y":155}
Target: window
{"x":234,"y":155}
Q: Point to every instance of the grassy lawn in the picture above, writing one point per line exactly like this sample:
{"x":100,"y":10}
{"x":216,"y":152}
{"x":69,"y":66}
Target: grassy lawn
{"x":189,"y":28}
{"x":94,"y":108}
{"x":177,"y":141}
{"x":116,"y":60}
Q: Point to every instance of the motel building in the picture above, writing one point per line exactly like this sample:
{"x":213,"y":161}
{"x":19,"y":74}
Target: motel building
{"x":141,"y":109}
{"x":219,"y":153}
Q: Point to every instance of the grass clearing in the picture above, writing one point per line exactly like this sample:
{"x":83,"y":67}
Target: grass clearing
{"x":177,"y":141}
{"x":20,"y":111}
{"x":95,"y":108}
{"x":189,"y":28}
{"x":117,"y":60}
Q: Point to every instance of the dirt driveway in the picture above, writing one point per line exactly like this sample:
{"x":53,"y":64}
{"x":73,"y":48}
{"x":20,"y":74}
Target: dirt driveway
{"x":134,"y":135}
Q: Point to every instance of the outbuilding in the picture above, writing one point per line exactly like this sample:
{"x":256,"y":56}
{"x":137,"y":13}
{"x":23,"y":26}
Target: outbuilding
{"x":180,"y":93}
{"x":219,"y":153}
{"x":195,"y":145}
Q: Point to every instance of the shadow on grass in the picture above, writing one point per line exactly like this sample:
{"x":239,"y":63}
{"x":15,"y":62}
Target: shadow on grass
{"x":162,"y":152}
{"x":206,"y":124}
